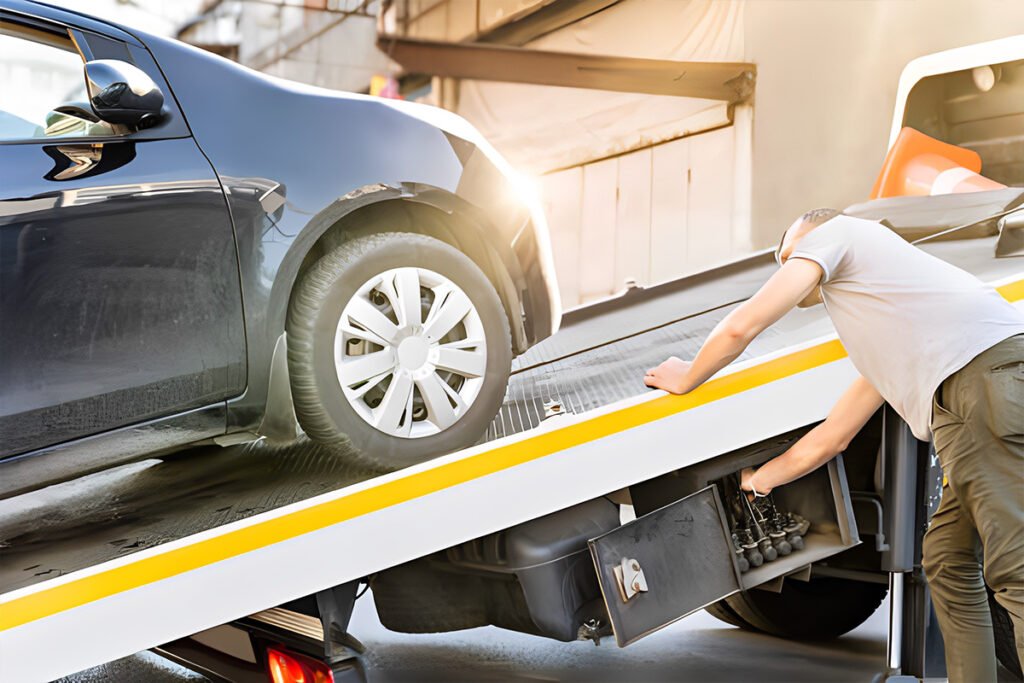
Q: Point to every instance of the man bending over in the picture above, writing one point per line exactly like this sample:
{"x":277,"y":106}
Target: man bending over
{"x":946,"y":352}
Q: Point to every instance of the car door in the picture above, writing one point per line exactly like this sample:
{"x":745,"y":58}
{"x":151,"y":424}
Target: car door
{"x":120,"y":299}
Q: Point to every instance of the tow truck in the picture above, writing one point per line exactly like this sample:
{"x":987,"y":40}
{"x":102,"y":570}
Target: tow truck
{"x":245,"y":561}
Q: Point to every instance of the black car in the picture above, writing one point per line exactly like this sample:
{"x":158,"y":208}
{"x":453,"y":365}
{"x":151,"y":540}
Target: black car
{"x":191,"y":250}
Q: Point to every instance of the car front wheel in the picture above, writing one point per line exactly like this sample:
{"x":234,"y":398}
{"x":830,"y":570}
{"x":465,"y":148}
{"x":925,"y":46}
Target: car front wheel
{"x":399,"y":342}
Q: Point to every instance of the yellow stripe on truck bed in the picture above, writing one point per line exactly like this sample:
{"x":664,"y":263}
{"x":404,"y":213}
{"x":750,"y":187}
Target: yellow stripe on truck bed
{"x":148,"y":569}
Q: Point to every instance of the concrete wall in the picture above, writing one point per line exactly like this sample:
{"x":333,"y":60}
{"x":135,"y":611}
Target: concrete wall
{"x":637,"y":187}
{"x":644,"y":217}
{"x":330,"y":43}
{"x":457,"y":20}
{"x":826,"y":88}
{"x":326,"y":48}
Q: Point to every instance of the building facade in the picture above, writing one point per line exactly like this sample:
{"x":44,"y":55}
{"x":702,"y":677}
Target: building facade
{"x":639,"y":187}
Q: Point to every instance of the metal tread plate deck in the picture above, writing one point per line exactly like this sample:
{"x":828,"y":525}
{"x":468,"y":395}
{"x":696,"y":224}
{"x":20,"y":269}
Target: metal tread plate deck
{"x":565,"y":371}
{"x":112,"y":514}
{"x":186,"y":584}
{"x":597,"y":377}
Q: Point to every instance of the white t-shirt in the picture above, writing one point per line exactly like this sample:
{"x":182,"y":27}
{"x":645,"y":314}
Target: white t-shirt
{"x":908,"y":319}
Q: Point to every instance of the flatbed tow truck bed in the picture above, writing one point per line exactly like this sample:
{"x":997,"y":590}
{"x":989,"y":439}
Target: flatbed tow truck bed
{"x":157,"y":550}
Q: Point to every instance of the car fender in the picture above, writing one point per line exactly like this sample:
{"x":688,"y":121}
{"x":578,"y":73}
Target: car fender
{"x":278,"y":421}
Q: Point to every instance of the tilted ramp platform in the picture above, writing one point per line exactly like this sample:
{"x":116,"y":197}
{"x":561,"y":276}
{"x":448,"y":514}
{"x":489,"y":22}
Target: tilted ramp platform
{"x":161,"y":549}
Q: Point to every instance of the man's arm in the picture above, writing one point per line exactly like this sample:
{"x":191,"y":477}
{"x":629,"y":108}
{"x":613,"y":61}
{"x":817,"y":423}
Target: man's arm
{"x":784,"y":290}
{"x":854,"y":408}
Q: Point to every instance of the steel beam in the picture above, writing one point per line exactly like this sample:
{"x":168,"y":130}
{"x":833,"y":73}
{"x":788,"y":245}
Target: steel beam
{"x":728,"y":81}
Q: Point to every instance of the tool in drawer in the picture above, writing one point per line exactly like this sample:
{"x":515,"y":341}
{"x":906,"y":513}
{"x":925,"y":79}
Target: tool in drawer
{"x":760,"y":531}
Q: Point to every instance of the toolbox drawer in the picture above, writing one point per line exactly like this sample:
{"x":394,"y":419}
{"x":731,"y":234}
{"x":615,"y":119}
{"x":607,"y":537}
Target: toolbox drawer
{"x":680,"y":558}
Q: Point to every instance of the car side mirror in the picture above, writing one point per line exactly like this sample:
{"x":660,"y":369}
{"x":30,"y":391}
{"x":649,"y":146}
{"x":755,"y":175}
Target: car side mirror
{"x":122,"y":93}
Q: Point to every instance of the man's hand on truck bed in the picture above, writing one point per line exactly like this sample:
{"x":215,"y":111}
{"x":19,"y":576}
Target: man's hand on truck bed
{"x":670,"y":376}
{"x":793,"y":283}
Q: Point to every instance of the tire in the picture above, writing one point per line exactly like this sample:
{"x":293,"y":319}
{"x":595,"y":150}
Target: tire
{"x":1002,"y":630}
{"x":723,"y":612}
{"x":821,"y":609}
{"x":341,"y":284}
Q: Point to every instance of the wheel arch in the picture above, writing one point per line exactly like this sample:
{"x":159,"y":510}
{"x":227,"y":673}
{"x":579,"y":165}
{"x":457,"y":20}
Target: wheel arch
{"x":413,"y":208}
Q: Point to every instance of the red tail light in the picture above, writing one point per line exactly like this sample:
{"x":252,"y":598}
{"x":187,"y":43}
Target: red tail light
{"x":287,"y":667}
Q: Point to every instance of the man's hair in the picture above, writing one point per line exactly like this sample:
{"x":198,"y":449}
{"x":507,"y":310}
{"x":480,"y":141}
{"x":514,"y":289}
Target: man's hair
{"x":819,"y":216}
{"x":815,"y":217}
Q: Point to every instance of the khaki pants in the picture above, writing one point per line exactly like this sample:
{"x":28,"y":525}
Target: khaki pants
{"x":978,"y":429}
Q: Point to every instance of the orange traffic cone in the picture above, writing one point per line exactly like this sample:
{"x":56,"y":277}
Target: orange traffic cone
{"x":921,"y":165}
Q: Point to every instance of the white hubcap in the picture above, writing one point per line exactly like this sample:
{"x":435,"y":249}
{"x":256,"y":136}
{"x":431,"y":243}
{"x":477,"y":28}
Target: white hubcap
{"x":410,"y":352}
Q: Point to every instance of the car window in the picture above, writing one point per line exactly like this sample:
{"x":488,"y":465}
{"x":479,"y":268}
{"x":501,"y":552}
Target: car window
{"x":43,"y":94}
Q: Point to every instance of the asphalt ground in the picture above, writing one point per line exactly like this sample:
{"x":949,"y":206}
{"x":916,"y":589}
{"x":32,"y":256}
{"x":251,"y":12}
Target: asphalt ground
{"x":698,"y":648}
